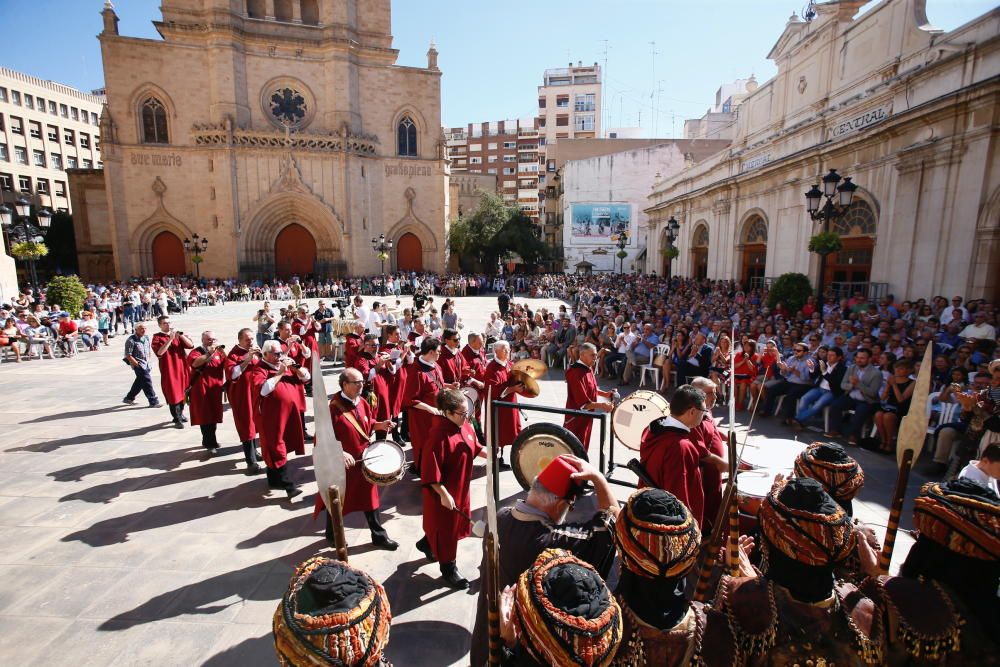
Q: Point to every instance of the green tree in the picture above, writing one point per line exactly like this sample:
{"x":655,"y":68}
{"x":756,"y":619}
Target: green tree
{"x":494,"y":229}
{"x":790,"y":289}
{"x":67,"y":291}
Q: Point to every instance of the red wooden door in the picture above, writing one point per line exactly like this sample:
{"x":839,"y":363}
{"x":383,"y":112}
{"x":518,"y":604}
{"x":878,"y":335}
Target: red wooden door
{"x":294,"y":252}
{"x":168,"y":255}
{"x":409,"y":254}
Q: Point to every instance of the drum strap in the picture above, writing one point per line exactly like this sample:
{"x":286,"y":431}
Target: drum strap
{"x":349,"y":415}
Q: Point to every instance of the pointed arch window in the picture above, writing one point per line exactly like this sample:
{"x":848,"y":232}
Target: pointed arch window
{"x":154,"y":122}
{"x":406,"y":138}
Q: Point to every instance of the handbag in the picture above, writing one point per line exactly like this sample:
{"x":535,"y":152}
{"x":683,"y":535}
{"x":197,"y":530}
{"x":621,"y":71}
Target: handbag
{"x":660,"y":360}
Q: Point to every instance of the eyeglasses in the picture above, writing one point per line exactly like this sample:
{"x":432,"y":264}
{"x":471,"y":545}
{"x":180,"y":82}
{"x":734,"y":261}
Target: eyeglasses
{"x":463,"y":415}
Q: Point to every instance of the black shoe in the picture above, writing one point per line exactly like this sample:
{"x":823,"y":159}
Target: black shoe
{"x":414,"y":470}
{"x":309,"y":438}
{"x":503,"y":465}
{"x":128,"y":401}
{"x":156,"y":404}
{"x":178,"y":424}
{"x":386,"y":543}
{"x":272,"y":479}
{"x":452,"y":577}
{"x":425,"y":548}
{"x":253,"y":469}
{"x":293,"y":492}
{"x":183,"y":418}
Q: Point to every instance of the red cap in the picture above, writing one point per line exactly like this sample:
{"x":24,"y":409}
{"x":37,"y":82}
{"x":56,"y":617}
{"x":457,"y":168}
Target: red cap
{"x":556,"y":477}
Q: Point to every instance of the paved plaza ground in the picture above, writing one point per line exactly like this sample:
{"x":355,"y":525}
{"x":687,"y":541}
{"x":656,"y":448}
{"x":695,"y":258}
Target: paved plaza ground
{"x":122,"y":546}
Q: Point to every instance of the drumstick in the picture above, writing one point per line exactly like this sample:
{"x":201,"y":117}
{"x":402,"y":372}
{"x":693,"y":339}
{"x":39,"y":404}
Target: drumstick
{"x":478,"y":527}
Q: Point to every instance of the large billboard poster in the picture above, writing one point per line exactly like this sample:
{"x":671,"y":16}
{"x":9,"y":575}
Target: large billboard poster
{"x":593,"y":224}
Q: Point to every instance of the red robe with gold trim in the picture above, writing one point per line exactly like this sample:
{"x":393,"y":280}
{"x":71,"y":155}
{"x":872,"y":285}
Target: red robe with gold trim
{"x":174,"y":373}
{"x":447,"y":461}
{"x":360,"y":495}
{"x":497,"y":377}
{"x":241,"y":394}
{"x":581,"y":389}
{"x":206,"y":387}
{"x":277,"y":415}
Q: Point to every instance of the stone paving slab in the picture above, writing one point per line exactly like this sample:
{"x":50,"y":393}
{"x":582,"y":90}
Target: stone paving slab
{"x":122,"y":545}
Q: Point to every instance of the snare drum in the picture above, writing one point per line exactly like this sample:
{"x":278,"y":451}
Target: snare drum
{"x":753,"y":486}
{"x":632,"y":416}
{"x":383,"y":462}
{"x":472,"y":399}
{"x":771,"y":453}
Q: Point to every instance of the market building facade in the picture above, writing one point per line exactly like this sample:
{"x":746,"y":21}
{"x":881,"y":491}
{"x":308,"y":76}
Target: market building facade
{"x":907,"y":111}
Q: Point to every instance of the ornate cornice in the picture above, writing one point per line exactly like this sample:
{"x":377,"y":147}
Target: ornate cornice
{"x":343,"y":142}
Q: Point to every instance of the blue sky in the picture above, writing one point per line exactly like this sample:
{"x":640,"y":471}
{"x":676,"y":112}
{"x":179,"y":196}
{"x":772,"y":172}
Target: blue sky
{"x":493,"y":53}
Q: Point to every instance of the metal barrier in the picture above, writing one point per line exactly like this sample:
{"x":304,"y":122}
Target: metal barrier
{"x":606,"y":464}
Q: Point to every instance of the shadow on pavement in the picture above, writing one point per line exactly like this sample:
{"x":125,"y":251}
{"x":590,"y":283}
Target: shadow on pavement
{"x":105,"y":493}
{"x":165,"y":461}
{"x":408,"y":590}
{"x":117,"y":529}
{"x":75,"y":415}
{"x":248,"y":653}
{"x":53,"y":445}
{"x":436,"y":642}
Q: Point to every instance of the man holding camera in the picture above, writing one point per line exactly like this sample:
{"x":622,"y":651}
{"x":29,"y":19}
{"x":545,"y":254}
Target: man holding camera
{"x":292,"y":347}
{"x":170,"y":347}
{"x":208,"y":367}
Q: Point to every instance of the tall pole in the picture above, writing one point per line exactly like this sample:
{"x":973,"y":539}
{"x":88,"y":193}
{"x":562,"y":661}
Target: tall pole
{"x":828,"y":212}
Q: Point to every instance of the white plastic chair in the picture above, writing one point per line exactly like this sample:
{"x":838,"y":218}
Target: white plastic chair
{"x":654,"y":370}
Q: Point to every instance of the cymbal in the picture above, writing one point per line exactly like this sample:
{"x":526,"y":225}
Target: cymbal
{"x":531,"y":388}
{"x":536,"y":368}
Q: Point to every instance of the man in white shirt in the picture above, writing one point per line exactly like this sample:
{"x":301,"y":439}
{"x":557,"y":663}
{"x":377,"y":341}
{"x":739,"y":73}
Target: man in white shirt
{"x":986,"y":470}
{"x":494,"y":328}
{"x":979,"y":329}
{"x":360,"y":312}
{"x":374,"y":321}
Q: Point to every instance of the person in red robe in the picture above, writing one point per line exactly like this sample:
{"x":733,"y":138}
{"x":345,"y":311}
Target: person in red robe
{"x":446,"y":472}
{"x":582,"y":393}
{"x":306,"y":328}
{"x":423,"y":382}
{"x":240,"y":391}
{"x":712,"y":452}
{"x":292,"y":347}
{"x":670,"y":454}
{"x":501,"y":386}
{"x":277,"y":381}
{"x":170,"y":347}
{"x":475,"y":355}
{"x":207,"y":363}
{"x":352,"y":344}
{"x":353,"y":424}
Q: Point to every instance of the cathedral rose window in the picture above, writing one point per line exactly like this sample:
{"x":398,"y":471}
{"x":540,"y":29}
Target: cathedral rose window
{"x":288,"y":107}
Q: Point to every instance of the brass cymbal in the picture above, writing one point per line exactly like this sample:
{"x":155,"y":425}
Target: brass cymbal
{"x":531,"y":388}
{"x":536,"y":368}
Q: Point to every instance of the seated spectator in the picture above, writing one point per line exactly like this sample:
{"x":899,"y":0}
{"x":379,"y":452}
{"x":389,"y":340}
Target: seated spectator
{"x":796,"y":380}
{"x":766,"y":368}
{"x":718,"y":370}
{"x":88,"y":330}
{"x":39,"y":334}
{"x":986,"y":470}
{"x":68,"y":333}
{"x":895,"y":404}
{"x":862,"y":383}
{"x":697,"y":361}
{"x":826,"y":390}
{"x":11,"y":337}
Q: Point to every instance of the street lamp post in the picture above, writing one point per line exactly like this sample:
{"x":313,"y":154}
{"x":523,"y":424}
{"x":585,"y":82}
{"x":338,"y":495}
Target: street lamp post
{"x":673,"y":227}
{"x":382,"y":248}
{"x":19,"y":229}
{"x":832,"y":187}
{"x":620,"y":237}
{"x":196,"y":246}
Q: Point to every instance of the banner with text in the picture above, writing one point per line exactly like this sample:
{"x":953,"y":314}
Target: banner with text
{"x":594,"y":224}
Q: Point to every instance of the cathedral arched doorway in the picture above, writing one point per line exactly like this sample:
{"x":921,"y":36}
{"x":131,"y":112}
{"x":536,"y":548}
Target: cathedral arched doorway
{"x":168,"y":255}
{"x":699,"y":252}
{"x":851,"y":268}
{"x":294,"y":252}
{"x":409,"y":253}
{"x":754,"y":245}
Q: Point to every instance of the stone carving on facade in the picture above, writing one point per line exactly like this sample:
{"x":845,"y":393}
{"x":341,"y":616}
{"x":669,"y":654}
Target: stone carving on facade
{"x":160,"y":220}
{"x":210,"y":134}
{"x":290,"y":181}
{"x":413,"y":224}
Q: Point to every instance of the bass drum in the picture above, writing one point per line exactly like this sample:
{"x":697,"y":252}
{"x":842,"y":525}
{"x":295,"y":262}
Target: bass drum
{"x":633,"y":415}
{"x":535,"y":448}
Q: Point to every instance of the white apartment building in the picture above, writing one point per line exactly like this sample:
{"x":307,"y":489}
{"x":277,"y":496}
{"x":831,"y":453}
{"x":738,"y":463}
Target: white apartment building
{"x":569,"y":107}
{"x":45,"y":129}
